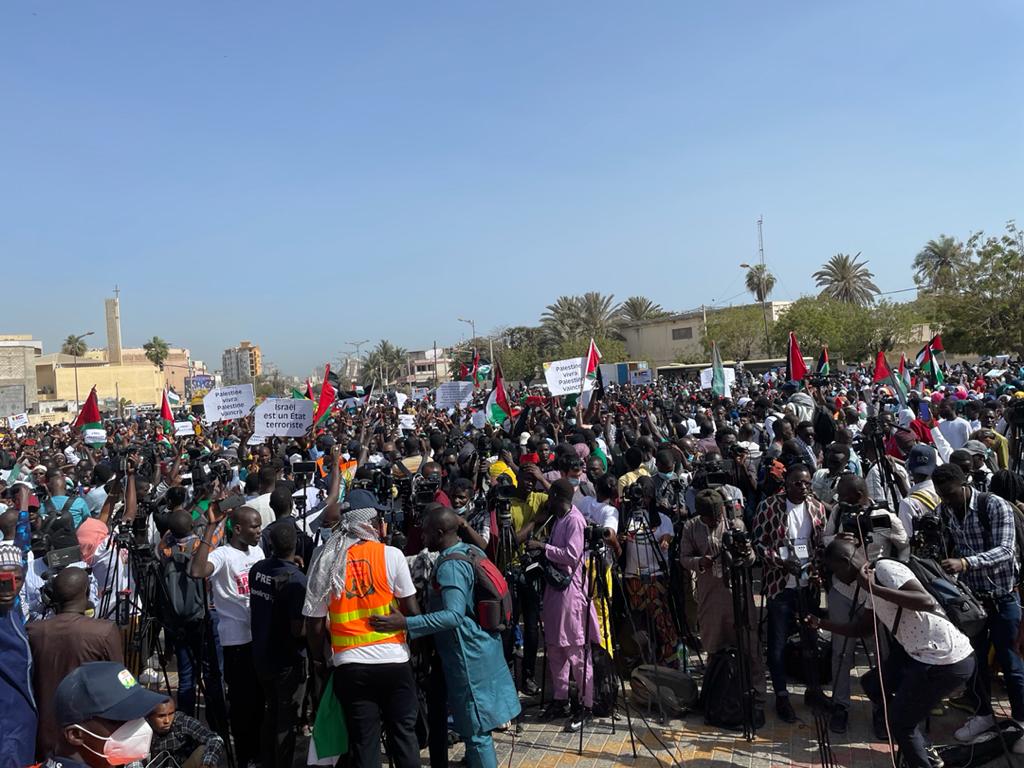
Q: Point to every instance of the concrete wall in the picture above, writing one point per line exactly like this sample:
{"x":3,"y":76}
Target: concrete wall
{"x":18,"y":368}
{"x":141,"y":384}
{"x":654,"y":341}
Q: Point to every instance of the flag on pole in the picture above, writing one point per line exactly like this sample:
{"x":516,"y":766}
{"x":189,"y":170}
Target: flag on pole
{"x":593,"y":361}
{"x":327,"y":393}
{"x":166,"y":418}
{"x":309,"y":390}
{"x":796,"y":368}
{"x":90,"y":422}
{"x":476,"y":367}
{"x":498,"y":408}
{"x":883,"y":373}
{"x":717,"y":372}
{"x":904,"y":372}
{"x":823,"y":367}
{"x":928,"y":364}
{"x":172,"y":398}
{"x":463,"y":372}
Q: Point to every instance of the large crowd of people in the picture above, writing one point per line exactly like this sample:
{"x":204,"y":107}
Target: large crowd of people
{"x":405,"y":575}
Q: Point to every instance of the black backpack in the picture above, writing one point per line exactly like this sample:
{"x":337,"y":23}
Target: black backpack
{"x":663,"y":690}
{"x":182,"y":599}
{"x":721,"y":696}
{"x":988,"y":747}
{"x":955,"y":598}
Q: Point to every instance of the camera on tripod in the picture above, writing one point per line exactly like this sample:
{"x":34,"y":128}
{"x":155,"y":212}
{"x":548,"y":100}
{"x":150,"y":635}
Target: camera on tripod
{"x":736,"y":543}
{"x":928,"y":540}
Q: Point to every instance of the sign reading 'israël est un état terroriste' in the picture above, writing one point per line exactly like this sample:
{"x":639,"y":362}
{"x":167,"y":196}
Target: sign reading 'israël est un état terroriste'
{"x":226,"y":403}
{"x":567,"y":377}
{"x":283,"y":417}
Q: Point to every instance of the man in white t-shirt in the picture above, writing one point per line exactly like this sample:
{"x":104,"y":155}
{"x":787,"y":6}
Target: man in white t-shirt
{"x":352,"y":578}
{"x":227,"y":568}
{"x":936,"y":657}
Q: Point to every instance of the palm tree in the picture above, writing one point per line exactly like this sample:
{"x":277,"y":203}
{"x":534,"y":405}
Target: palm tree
{"x":600,"y":314}
{"x":760,"y":282}
{"x":384,"y":363}
{"x":157,"y":351}
{"x":638,"y":309}
{"x":937,"y":266}
{"x":561,"y":320}
{"x":846,"y":279}
{"x":74,"y":345}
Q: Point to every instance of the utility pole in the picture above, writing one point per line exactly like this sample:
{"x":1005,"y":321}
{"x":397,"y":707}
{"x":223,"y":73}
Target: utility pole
{"x":435,"y":363}
{"x":764,"y":275}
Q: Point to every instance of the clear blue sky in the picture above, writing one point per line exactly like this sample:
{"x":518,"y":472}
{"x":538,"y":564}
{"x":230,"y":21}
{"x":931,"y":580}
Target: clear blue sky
{"x":305,"y":174}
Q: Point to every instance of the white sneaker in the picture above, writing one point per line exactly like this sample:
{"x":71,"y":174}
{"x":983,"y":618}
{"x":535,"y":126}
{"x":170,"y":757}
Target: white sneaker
{"x":973,"y":728}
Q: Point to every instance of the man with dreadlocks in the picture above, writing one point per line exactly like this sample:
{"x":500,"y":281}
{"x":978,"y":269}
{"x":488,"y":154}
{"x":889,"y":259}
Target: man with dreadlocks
{"x":354,"y":577}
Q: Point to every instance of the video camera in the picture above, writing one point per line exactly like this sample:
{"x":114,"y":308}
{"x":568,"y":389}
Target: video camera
{"x":929,"y":538}
{"x":500,"y":496}
{"x":736,"y":543}
{"x":860,"y":523}
{"x":714,"y":474}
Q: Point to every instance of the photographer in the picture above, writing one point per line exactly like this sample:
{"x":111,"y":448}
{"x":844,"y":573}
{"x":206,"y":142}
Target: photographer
{"x":934,"y":657}
{"x":700,"y":551}
{"x":716,"y":473}
{"x":646,"y":535}
{"x":877,"y":533}
{"x":565,"y":610}
{"x":788,"y":532}
{"x":981,"y":529}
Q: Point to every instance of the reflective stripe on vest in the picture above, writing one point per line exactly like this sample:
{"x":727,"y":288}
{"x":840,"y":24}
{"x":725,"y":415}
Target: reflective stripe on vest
{"x":366,"y":593}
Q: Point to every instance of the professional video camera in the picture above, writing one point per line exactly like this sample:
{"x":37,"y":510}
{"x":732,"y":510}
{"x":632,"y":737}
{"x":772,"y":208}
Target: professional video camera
{"x":500,"y":497}
{"x":736,"y":543}
{"x":714,"y":474}
{"x":860,"y":522}
{"x":377,"y":479}
{"x":929,"y":538}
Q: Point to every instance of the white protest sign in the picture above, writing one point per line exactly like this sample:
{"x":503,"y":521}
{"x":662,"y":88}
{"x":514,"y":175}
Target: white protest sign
{"x":184,"y":428}
{"x":226,"y":403}
{"x":256,"y":440}
{"x":400,"y":399}
{"x":453,"y":394}
{"x":95,"y":436}
{"x":707,"y":374}
{"x":17,"y":421}
{"x":478,"y":419}
{"x":418,"y":393}
{"x":640,"y":376}
{"x":407,"y":421}
{"x":283,"y":417}
{"x":565,"y":377}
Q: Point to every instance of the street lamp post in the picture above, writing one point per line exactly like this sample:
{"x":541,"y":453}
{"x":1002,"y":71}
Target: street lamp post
{"x":490,"y":341}
{"x":358,"y":345}
{"x":78,"y":339}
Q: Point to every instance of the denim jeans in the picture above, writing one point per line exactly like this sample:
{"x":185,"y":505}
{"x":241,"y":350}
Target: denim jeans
{"x":914,"y":688}
{"x":781,"y":623}
{"x":1001,"y":630}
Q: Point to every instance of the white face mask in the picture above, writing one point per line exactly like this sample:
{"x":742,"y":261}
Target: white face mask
{"x":127,"y":744}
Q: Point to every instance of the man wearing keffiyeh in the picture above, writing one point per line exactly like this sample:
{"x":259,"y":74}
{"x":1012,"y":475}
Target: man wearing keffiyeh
{"x":353,"y":578}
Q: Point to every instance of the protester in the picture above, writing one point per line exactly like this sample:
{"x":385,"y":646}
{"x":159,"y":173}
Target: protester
{"x":17,"y":700}
{"x":63,"y":642}
{"x":472,"y":658}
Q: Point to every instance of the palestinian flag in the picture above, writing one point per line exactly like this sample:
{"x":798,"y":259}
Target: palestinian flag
{"x":928,"y":364}
{"x":476,"y":368}
{"x":498,"y":407}
{"x":883,"y":373}
{"x":327,"y":393}
{"x":592,"y":363}
{"x":463,"y":372}
{"x":823,"y":367}
{"x":296,"y":395}
{"x":796,"y":368}
{"x":717,"y":372}
{"x":166,"y":418}
{"x":309,"y":391}
{"x":904,"y":372}
{"x":90,"y":422}
{"x":172,"y":398}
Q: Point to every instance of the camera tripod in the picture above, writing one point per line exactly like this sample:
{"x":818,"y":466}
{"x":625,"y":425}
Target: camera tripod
{"x":742,"y":596}
{"x":814,"y":697}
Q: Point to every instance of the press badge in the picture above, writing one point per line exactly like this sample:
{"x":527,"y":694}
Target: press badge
{"x":801,"y":551}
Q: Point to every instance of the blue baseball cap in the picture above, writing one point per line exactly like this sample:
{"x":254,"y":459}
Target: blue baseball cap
{"x":103,"y":689}
{"x":922,"y":460}
{"x":360,"y":498}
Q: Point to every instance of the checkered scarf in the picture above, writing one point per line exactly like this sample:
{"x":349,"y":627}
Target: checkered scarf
{"x":327,"y":574}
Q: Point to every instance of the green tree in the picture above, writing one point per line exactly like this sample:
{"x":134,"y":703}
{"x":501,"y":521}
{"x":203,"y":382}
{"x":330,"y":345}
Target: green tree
{"x":638,"y":309}
{"x":384,"y":364}
{"x":939,"y":265}
{"x":760,"y":282}
{"x":157,"y":351}
{"x":612,"y":350}
{"x":74,"y":345}
{"x":986,"y":315}
{"x":574,"y":317}
{"x":846,"y":279}
{"x":738,"y":331}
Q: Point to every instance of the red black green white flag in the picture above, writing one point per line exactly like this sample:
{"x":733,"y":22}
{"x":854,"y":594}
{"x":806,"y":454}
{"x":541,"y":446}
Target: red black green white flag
{"x":327,"y":395}
{"x":90,"y":422}
{"x":498,"y":407}
{"x":166,"y":419}
{"x":823,"y":368}
{"x":796,"y":368}
{"x":883,"y":374}
{"x":928,"y":364}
